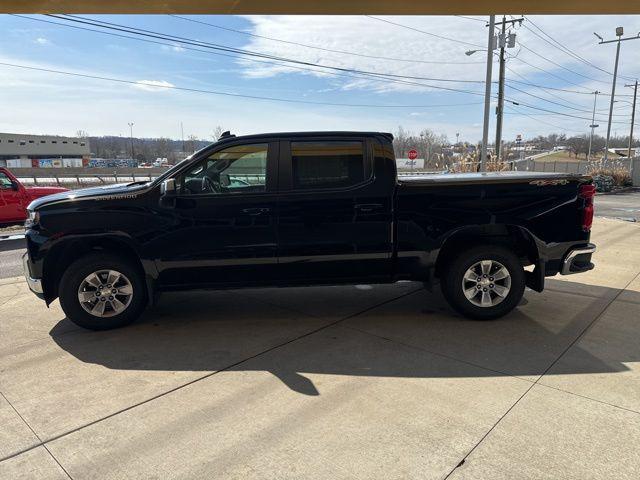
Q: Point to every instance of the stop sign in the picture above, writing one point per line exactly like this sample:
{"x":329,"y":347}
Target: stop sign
{"x":413,"y":154}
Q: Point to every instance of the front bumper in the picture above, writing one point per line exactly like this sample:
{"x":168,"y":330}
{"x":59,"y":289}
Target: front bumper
{"x":35,"y":284}
{"x":578,"y":260}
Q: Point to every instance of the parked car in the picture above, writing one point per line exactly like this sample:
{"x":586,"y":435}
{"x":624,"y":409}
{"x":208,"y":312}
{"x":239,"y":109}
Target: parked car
{"x":317,"y":208}
{"x":15,"y":197}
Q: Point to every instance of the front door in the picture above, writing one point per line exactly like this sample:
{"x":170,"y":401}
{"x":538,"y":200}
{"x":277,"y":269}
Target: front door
{"x":12,"y":208}
{"x":224,"y":231}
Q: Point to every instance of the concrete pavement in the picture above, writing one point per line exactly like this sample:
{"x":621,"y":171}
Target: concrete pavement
{"x":332,"y":382}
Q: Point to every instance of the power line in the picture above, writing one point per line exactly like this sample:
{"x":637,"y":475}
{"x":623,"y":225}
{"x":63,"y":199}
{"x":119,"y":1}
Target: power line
{"x":229,"y":94}
{"x":424,"y":32}
{"x":582,"y":110}
{"x":513,"y":111}
{"x":188,"y":41}
{"x":562,"y":66}
{"x":549,"y":73}
{"x":545,"y":90}
{"x":545,"y":87}
{"x":562,"y":114}
{"x":557,"y":89}
{"x":566,"y":49}
{"x":471,"y":18}
{"x":373,"y":78}
{"x":315,"y":47}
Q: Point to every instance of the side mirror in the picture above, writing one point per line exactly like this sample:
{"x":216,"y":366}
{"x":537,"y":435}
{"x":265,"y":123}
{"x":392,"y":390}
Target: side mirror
{"x":168,"y":187}
{"x":14,"y":186}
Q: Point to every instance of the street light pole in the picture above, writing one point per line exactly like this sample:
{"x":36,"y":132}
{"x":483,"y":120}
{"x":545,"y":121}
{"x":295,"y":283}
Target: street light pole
{"x":619,"y":40}
{"x":613,"y":95}
{"x":593,"y":122}
{"x":633,"y":119}
{"x":500,"y":107}
{"x":487,"y":95}
{"x":131,"y":138}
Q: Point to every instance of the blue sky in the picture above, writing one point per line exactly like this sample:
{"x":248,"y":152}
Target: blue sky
{"x":42,"y":102}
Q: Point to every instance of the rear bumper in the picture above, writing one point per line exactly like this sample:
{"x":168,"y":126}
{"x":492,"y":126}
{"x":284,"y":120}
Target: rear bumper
{"x":578,"y":260}
{"x":35,"y":284}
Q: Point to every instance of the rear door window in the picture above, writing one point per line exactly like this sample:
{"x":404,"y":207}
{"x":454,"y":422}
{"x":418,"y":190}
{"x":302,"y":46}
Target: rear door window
{"x":327,"y":164}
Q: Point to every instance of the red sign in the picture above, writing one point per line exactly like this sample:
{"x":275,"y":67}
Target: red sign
{"x":413,"y":154}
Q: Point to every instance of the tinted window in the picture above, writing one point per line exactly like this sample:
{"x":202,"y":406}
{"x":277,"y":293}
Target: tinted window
{"x":327,"y":164}
{"x":237,"y":169}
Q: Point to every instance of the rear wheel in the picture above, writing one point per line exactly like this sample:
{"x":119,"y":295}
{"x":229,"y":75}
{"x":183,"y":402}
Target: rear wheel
{"x":484,"y":282}
{"x":101,"y":291}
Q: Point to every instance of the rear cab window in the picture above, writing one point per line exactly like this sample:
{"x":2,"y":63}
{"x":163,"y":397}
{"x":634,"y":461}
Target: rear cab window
{"x":325,"y":164}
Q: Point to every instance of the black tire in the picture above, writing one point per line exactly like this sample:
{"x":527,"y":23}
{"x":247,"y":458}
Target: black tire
{"x":452,"y":282}
{"x":74,"y":276}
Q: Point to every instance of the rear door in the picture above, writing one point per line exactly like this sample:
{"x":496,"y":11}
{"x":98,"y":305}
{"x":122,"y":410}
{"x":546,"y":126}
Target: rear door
{"x":334,"y":221}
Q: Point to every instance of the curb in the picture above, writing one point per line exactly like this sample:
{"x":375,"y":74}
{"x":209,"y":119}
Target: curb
{"x":620,"y":190}
{"x":17,"y":236}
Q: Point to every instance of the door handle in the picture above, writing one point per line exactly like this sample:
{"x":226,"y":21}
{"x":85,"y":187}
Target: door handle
{"x":255,"y":211}
{"x":368,"y":207}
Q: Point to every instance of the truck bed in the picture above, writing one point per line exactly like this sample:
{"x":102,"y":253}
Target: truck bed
{"x":485,"y":177}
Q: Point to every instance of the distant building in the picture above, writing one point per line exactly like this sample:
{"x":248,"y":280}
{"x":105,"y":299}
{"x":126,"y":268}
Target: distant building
{"x":33,"y":151}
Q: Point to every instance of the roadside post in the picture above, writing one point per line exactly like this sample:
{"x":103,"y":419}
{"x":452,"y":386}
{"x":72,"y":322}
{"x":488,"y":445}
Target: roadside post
{"x":413,"y":154}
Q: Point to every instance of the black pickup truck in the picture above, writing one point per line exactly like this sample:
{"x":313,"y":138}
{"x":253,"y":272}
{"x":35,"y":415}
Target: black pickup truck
{"x":306,"y":209}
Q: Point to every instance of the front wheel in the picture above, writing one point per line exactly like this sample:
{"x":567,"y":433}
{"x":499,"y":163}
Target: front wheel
{"x":484,"y":282}
{"x":101,"y":291}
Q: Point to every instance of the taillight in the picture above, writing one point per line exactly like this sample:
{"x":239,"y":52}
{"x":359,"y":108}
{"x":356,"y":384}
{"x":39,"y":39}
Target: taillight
{"x":586,"y":193}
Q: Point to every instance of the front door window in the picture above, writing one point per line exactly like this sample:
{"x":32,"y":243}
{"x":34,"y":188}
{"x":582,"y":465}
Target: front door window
{"x":237,"y":169}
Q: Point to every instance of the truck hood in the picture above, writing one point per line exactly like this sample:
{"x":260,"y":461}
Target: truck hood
{"x":86,"y":193}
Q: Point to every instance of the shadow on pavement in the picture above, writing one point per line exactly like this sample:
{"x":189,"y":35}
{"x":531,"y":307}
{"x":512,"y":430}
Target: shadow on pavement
{"x":205,"y":331}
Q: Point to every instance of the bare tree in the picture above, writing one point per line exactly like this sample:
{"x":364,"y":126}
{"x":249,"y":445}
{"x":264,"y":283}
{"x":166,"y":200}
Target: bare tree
{"x":192,"y":142}
{"x":578,"y":145}
{"x":217,"y":133}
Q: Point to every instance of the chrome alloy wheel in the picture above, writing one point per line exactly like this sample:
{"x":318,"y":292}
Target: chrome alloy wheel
{"x":105,"y":293}
{"x":486,"y":283}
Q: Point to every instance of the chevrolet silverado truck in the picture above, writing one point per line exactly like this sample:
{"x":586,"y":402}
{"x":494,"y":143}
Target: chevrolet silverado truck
{"x":15,"y":197}
{"x":293,"y":209}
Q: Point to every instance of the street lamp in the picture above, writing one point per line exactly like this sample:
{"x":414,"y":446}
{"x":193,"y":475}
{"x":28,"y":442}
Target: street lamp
{"x":131,"y":138}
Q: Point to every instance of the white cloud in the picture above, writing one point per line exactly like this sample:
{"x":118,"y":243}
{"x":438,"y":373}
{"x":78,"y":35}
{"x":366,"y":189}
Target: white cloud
{"x":153,"y":85}
{"x":42,"y":41}
{"x":173,"y":48}
{"x":371,"y":38}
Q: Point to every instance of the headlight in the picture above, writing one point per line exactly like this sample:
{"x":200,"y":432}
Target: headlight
{"x":32,"y":219}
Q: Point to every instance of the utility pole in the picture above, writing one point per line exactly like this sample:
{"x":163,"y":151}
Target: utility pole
{"x":593,"y":123}
{"x":182,"y":133}
{"x":509,"y":42}
{"x":633,"y":119}
{"x":487,"y":95}
{"x":619,"y":40}
{"x":131,"y":137}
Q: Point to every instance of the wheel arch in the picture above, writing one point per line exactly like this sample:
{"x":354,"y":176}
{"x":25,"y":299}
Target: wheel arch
{"x":515,"y":237}
{"x":65,"y":252}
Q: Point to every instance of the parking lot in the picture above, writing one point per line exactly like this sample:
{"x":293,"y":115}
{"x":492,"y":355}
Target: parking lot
{"x":332,"y":382}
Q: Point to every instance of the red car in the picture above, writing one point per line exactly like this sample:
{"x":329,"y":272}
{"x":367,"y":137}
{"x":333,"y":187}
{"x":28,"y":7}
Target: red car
{"x":15,"y":197}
